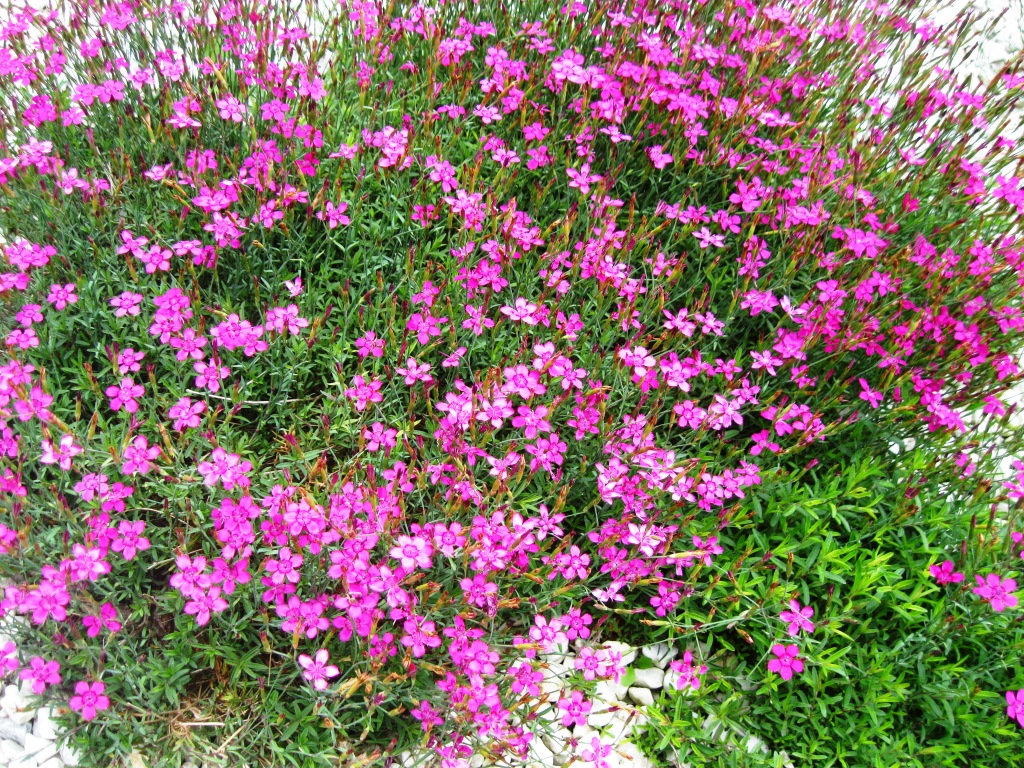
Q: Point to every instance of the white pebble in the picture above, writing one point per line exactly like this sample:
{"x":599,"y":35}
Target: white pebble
{"x":12,"y":731}
{"x":660,"y":653}
{"x":609,"y":690}
{"x":648,"y":678}
{"x":69,"y":756}
{"x":539,"y":752}
{"x":633,"y":757}
{"x":642,"y":696}
{"x":9,"y":750}
{"x":53,"y":762}
{"x":12,"y":700}
{"x":41,"y":750}
{"x":45,"y":727}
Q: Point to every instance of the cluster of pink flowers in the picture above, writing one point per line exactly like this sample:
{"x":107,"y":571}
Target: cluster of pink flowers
{"x":657,"y":400}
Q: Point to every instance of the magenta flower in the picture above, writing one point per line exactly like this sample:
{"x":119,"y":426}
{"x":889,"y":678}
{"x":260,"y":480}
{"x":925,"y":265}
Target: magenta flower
{"x":9,"y":657}
{"x":61,"y":454}
{"x":413,"y":552}
{"x":798,"y":618}
{"x":1015,"y":706}
{"x":945,"y":573}
{"x":89,"y":699}
{"x":287,"y":567}
{"x":575,"y":709}
{"x":997,"y":591}
{"x":786,"y":662}
{"x":316,"y":670}
{"x":129,"y":539}
{"x":107,"y":619}
{"x":42,"y":673}
{"x":137,"y":456}
{"x":124,"y":394}
{"x":369,"y":344}
{"x":186,"y":414}
{"x":126,"y":304}
{"x":203,"y":604}
{"x":62,"y":295}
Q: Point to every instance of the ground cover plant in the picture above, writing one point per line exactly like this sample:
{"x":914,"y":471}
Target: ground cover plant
{"x":361,"y":357}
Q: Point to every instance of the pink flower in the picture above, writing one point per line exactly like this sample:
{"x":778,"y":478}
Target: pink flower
{"x":798,"y":618}
{"x":287,"y":567}
{"x":137,"y":456}
{"x":786,"y":661}
{"x":414,"y":371}
{"x":575,"y":708}
{"x":1015,"y":706}
{"x":945,"y":573}
{"x":186,"y":414}
{"x":42,"y":673}
{"x":687,"y":675}
{"x":316,"y":670}
{"x":203,"y":604}
{"x":89,"y":699}
{"x":107,"y":618}
{"x":582,"y":179}
{"x":413,"y":552}
{"x":62,"y":454}
{"x":61,"y":296}
{"x":9,"y":657}
{"x":997,"y":591}
{"x":369,"y":344}
{"x":364,"y":391}
{"x":124,"y":394}
{"x":129,"y":539}
{"x":126,"y":304}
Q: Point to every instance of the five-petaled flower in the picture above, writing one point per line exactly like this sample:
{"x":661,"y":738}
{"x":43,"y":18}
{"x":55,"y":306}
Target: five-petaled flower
{"x":798,"y":618}
{"x":1015,"y":706}
{"x":786,"y":660}
{"x":316,"y":669}
{"x":996,"y":591}
{"x":89,"y":699}
{"x":945,"y":573}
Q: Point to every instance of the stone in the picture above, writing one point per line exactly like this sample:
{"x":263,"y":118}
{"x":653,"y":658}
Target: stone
{"x":609,"y":690}
{"x":627,"y":651}
{"x":11,"y":750}
{"x":39,"y":749}
{"x":619,"y":727}
{"x":53,"y":762}
{"x":22,"y":716}
{"x":11,"y":730}
{"x":44,"y":726}
{"x":11,"y":700}
{"x":16,"y":705}
{"x":539,"y":753}
{"x":583,"y":733}
{"x":551,"y":744}
{"x":641,"y":696}
{"x":660,"y":653}
{"x":69,"y":756}
{"x":554,"y":678}
{"x":25,"y":761}
{"x":559,"y":655}
{"x":755,"y":744}
{"x":632,"y":756}
{"x":651,"y":678}
{"x":601,"y":718}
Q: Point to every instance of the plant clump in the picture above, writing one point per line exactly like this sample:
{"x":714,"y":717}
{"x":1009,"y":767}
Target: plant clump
{"x":361,"y":359}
